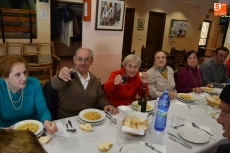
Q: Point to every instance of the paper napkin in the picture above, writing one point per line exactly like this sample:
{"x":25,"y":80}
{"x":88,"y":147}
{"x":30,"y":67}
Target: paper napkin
{"x":203,"y":127}
{"x":61,"y":130}
{"x":161,"y":148}
{"x":124,"y":108}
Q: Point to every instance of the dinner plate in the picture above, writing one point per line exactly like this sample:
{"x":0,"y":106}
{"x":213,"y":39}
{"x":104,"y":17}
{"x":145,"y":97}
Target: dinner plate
{"x":185,"y":101}
{"x":92,"y":123}
{"x":40,"y":125}
{"x":39,"y":134}
{"x":136,"y":148}
{"x":206,"y":89}
{"x":102,"y":113}
{"x":179,"y":94}
{"x":193,"y":134}
{"x":134,"y":104}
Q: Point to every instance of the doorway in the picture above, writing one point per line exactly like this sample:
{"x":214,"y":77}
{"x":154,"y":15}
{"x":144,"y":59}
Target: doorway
{"x":128,"y":32}
{"x":155,"y":32}
{"x":204,"y":34}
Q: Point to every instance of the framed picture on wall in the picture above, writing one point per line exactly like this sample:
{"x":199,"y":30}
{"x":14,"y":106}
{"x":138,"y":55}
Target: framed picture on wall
{"x":178,"y":28}
{"x":47,"y":1}
{"x":140,"y":25}
{"x":110,"y":15}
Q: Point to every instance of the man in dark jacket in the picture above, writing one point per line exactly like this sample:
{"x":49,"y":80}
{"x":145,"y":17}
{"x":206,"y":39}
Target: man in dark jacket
{"x":224,"y":118}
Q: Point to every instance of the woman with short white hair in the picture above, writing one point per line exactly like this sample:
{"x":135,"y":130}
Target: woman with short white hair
{"x":123,"y":85}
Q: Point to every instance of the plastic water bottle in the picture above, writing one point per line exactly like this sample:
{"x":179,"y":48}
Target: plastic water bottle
{"x":161,"y":115}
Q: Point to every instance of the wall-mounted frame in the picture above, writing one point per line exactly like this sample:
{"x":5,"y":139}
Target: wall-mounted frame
{"x":47,"y":1}
{"x":141,"y":24}
{"x":110,"y":15}
{"x":86,"y":10}
{"x":178,"y":28}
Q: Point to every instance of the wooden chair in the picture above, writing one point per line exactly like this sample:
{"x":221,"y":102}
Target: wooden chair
{"x":51,"y":96}
{"x":173,"y":51}
{"x":15,"y":48}
{"x":176,"y":58}
{"x":3,"y":51}
{"x":30,"y":49}
{"x":147,"y":59}
{"x":44,"y":47}
{"x":41,"y":71}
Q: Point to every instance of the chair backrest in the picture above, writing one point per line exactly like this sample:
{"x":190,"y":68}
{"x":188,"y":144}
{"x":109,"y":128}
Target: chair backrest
{"x":43,"y":71}
{"x":30,"y":49}
{"x":3,"y":51}
{"x":51,"y":97}
{"x":15,"y":48}
{"x":173,"y":51}
{"x":45,"y":47}
{"x":147,"y":55}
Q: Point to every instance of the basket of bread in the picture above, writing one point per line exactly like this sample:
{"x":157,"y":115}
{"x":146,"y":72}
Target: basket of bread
{"x":213,"y":101}
{"x":135,"y":123}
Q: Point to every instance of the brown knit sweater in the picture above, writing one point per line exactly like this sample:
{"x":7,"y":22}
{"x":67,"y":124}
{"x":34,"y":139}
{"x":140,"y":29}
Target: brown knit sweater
{"x":73,"y":98}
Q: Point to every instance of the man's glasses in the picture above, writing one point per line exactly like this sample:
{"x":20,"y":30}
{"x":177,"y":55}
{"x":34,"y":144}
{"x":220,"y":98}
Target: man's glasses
{"x":80,"y":60}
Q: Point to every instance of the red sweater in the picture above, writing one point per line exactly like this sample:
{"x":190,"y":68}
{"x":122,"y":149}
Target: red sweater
{"x":186,"y":81}
{"x":124,"y":94}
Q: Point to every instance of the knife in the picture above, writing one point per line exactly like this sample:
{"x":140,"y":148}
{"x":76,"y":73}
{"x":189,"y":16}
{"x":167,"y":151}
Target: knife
{"x":176,"y":140}
{"x":179,"y":139}
{"x":70,"y":123}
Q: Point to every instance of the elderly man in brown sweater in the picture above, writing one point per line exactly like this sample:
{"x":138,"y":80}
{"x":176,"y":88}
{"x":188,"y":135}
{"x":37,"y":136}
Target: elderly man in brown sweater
{"x":82,"y":92}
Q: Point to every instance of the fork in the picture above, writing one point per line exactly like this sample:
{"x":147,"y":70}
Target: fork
{"x":69,"y":130}
{"x":110,"y":116}
{"x":173,"y":139}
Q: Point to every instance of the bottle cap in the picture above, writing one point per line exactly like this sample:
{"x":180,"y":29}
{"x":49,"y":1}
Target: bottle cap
{"x":165,"y":91}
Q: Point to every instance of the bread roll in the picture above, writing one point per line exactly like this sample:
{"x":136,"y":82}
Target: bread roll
{"x":105,"y":146}
{"x":136,"y":120}
{"x":86,"y":127}
{"x":44,"y":139}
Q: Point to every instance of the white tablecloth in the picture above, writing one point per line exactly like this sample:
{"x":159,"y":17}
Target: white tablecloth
{"x":87,"y":142}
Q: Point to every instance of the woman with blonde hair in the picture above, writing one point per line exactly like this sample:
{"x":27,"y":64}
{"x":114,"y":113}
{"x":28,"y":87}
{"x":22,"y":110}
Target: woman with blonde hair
{"x":19,"y":141}
{"x":21,"y":97}
{"x":123,"y":85}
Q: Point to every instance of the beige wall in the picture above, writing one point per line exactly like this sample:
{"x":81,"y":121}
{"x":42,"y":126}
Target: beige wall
{"x":106,"y":45}
{"x":174,"y":11}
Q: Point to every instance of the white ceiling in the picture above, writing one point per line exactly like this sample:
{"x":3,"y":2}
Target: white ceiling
{"x":200,"y":3}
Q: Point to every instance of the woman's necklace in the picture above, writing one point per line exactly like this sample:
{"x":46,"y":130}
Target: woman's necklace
{"x":194,"y":78}
{"x":11,"y":99}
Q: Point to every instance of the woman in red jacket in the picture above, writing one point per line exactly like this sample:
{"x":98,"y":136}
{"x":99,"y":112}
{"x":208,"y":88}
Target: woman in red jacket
{"x":121,"y":93}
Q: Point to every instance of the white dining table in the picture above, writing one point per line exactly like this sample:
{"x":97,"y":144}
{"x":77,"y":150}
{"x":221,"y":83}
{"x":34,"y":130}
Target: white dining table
{"x":88,"y":142}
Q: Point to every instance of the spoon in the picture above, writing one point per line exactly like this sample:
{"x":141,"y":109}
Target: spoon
{"x":175,"y":127}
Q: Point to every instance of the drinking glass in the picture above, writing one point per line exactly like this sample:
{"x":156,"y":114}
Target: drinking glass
{"x":72,"y":74}
{"x":123,"y":138}
{"x":208,"y":110}
{"x":124,"y":78}
{"x":177,"y":121}
{"x":202,"y":103}
{"x":197,"y":103}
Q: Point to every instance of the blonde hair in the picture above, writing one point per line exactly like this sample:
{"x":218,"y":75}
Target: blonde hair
{"x":19,"y":141}
{"x":131,"y":57}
